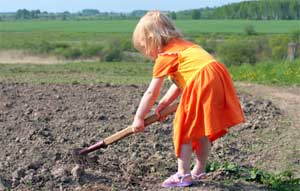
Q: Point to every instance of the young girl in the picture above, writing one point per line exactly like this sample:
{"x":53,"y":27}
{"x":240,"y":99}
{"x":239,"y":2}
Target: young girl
{"x":208,"y":105}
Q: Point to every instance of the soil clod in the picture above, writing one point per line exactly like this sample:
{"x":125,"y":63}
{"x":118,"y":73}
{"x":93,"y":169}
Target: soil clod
{"x":77,"y":172}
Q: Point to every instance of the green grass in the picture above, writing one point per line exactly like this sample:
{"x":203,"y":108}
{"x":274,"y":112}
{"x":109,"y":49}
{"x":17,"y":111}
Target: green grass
{"x":284,"y":181}
{"x":237,"y":26}
{"x":127,"y":26}
{"x":20,"y":40}
{"x":94,"y":72}
{"x":103,"y":26}
{"x":270,"y":73}
{"x":275,"y":73}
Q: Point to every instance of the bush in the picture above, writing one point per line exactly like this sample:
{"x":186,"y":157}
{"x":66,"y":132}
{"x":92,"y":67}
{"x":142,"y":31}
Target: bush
{"x":235,"y":52}
{"x":69,"y":53}
{"x":249,"y":30}
{"x":61,"y":45}
{"x":263,"y":51}
{"x":126,"y":45}
{"x":91,"y":50}
{"x":279,"y":46}
{"x":209,"y":45}
{"x":113,"y":52}
{"x":295,"y":36}
{"x":42,"y":47}
{"x":45,"y":47}
{"x":279,"y":53}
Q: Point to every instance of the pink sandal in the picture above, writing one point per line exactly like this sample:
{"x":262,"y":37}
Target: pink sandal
{"x":199,"y":177}
{"x":177,"y":180}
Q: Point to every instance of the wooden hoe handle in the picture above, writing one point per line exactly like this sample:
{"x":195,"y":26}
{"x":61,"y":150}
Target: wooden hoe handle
{"x":148,"y":121}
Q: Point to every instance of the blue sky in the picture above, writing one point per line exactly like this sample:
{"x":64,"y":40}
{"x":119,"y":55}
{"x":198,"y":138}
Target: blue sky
{"x":108,"y":5}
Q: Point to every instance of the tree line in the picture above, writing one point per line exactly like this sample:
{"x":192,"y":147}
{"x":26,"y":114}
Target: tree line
{"x":254,"y":10}
{"x":261,"y":10}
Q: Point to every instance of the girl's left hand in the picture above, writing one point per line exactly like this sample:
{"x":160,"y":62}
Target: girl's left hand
{"x":138,"y":125}
{"x":158,"y":109}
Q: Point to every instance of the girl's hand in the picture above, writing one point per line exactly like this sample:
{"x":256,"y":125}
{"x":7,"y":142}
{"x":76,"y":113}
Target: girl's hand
{"x":138,"y":125}
{"x":158,"y":109}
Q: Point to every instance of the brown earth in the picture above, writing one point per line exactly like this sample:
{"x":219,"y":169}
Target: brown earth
{"x":40,"y":124}
{"x":282,"y":149}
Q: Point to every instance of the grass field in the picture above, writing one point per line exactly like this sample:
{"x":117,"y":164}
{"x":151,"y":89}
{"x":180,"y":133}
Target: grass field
{"x":279,"y":73}
{"x":94,"y":72}
{"x":18,"y":40}
{"x":18,"y":34}
{"x":127,"y":26}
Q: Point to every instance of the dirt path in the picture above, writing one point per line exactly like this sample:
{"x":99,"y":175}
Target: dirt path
{"x":287,"y":139}
{"x":286,"y":98}
{"x":20,"y":57}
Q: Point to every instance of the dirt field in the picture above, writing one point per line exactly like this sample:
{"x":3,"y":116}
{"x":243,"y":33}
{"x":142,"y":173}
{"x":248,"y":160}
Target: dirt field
{"x":41,"y":124}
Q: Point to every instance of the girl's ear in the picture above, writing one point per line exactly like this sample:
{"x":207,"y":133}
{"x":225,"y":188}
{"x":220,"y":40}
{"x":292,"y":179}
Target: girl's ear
{"x":150,"y":37}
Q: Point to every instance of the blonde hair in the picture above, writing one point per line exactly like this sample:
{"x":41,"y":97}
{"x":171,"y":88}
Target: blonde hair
{"x":153,"y":32}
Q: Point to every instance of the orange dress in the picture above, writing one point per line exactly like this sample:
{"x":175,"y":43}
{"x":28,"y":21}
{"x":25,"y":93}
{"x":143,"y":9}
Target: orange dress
{"x":209,"y":104}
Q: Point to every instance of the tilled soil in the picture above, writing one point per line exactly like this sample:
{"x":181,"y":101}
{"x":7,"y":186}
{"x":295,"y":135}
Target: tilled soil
{"x":40,"y":124}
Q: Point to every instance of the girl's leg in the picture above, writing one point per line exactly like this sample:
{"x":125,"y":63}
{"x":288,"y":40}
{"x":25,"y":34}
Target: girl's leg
{"x":183,"y":176}
{"x":201,"y":156}
{"x":184,"y":160}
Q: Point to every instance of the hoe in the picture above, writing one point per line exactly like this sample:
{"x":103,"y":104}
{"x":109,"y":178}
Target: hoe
{"x":80,"y":155}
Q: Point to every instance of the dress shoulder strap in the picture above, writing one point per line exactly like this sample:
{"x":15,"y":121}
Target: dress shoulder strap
{"x":168,"y":54}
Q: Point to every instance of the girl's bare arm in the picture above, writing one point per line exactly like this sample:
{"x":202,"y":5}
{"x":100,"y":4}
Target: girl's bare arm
{"x":146,"y":103}
{"x":168,"y":98}
{"x":171,"y":95}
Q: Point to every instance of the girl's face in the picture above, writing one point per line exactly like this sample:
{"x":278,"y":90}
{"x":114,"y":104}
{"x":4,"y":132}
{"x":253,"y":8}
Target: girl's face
{"x":153,"y":55}
{"x":142,"y":48}
{"x":147,"y":53}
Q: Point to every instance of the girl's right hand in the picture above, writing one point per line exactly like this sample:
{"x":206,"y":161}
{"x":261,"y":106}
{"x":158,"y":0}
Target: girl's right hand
{"x":138,"y":125}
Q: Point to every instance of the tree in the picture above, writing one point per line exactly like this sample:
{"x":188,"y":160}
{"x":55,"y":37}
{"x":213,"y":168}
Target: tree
{"x":196,"y":14}
{"x":173,"y":15}
{"x":22,"y":14}
{"x":90,"y":12}
{"x":35,"y":14}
